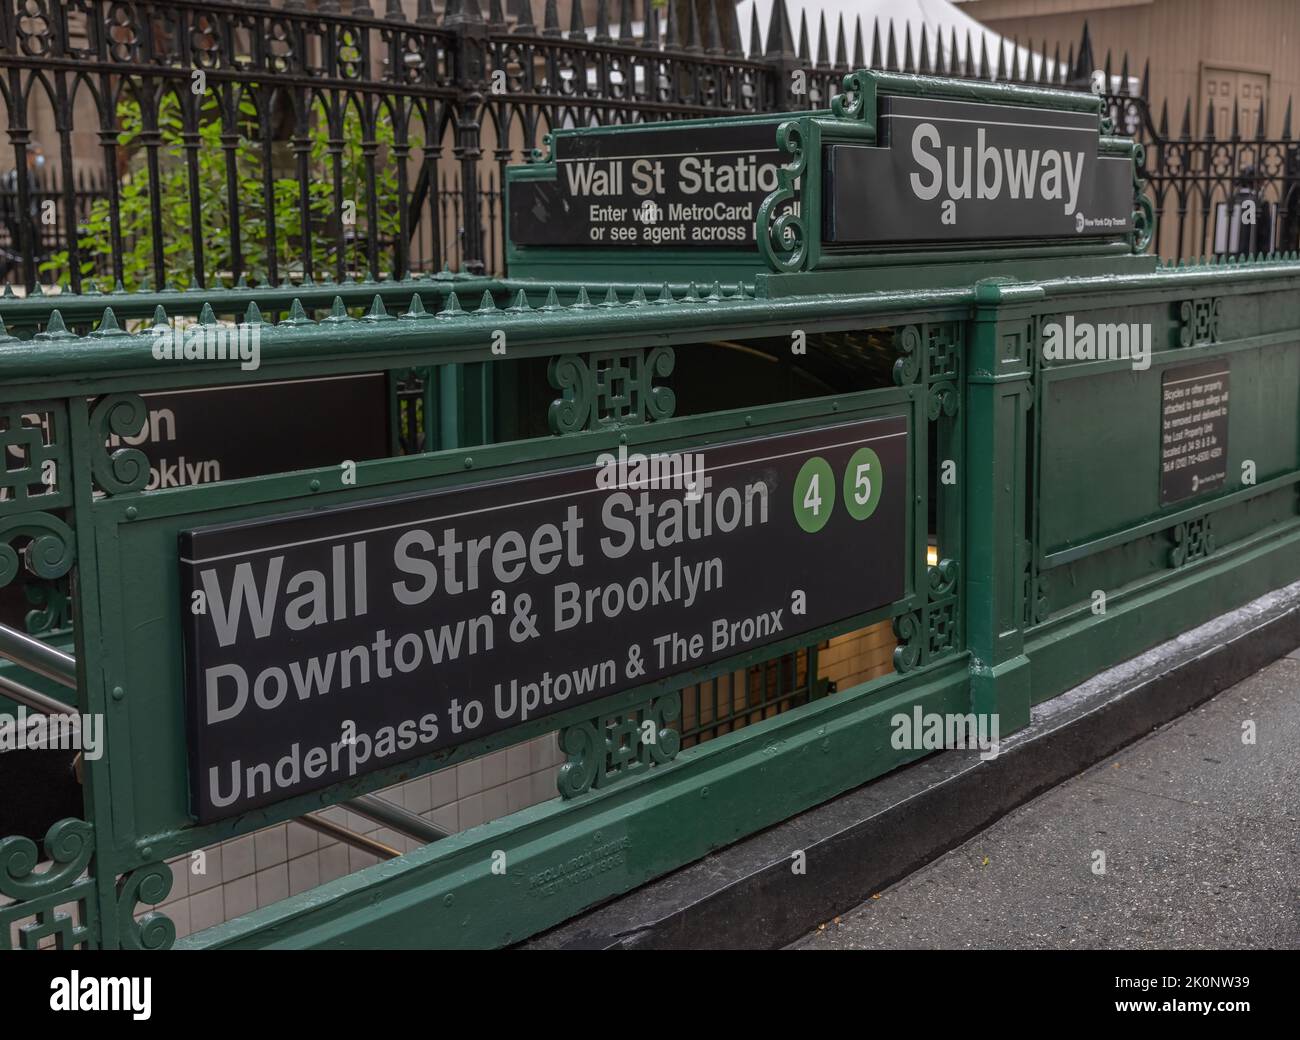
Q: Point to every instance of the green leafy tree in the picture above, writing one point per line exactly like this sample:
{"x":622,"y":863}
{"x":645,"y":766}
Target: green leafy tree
{"x":95,"y":235}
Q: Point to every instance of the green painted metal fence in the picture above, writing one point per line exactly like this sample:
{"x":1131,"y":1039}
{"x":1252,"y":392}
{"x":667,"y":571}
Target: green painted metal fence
{"x":1038,"y":546}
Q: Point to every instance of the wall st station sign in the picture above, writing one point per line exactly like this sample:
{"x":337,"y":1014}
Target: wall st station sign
{"x":321,"y":646}
{"x":676,"y":187}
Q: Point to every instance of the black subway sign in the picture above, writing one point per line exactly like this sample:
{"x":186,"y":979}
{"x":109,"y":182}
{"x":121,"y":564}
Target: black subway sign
{"x":321,"y":646}
{"x":689,"y":187}
{"x":948,"y":171}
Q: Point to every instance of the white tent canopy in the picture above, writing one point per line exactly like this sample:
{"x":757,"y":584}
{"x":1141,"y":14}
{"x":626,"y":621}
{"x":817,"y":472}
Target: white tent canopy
{"x":938,"y":19}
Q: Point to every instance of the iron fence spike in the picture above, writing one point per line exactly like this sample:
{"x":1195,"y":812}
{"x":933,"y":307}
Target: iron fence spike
{"x":908,"y":64}
{"x":520,"y":305}
{"x":780,"y":34}
{"x":804,"y":54}
{"x":253,"y":314}
{"x":451,"y":306}
{"x":207,"y":316}
{"x":55,"y":327}
{"x":160,"y":316}
{"x":338,"y":310}
{"x":552,"y":300}
{"x":583,"y":301}
{"x":486,"y":303}
{"x":728,"y":28}
{"x":638,"y":297}
{"x":297,"y":315}
{"x":713,"y":39}
{"x":665,"y":295}
{"x":415,"y":309}
{"x":108,"y":325}
{"x":611,"y":298}
{"x":625,"y":34}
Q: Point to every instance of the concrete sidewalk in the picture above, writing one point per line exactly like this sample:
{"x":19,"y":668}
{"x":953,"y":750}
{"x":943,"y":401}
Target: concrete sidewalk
{"x":1200,"y":832}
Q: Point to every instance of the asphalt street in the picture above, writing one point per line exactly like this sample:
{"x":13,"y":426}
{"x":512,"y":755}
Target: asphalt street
{"x":1199,"y":830}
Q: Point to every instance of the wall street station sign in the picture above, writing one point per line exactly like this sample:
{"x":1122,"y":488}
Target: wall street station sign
{"x":321,"y":646}
{"x":684,"y":187}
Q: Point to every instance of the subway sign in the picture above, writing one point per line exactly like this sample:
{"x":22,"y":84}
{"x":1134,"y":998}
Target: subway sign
{"x":323,"y":645}
{"x":950,"y":171}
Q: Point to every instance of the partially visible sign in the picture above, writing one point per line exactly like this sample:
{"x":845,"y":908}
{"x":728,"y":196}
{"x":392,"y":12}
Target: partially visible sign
{"x":323,"y":645}
{"x":685,"y":187}
{"x":948,"y":171}
{"x":247,"y":430}
{"x":1193,"y":429}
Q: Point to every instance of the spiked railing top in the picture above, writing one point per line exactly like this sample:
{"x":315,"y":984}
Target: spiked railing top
{"x":111,"y":353}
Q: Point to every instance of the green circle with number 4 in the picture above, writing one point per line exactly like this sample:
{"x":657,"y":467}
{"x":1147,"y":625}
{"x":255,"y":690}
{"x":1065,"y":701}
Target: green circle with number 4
{"x":863,"y":481}
{"x":814,"y":494}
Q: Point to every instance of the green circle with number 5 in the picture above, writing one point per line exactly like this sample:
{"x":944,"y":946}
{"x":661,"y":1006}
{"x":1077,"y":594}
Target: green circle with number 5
{"x":863,"y":481}
{"x":814,"y":494}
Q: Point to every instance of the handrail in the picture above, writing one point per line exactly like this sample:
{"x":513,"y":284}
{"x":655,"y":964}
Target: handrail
{"x":33,"y":699}
{"x":381,"y":810}
{"x":359,"y":841}
{"x":40,"y":658}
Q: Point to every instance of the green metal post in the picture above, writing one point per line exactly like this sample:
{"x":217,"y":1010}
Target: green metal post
{"x":999,"y":391}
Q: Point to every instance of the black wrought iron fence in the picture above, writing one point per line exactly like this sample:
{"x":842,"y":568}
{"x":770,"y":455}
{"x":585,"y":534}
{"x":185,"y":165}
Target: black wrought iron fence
{"x":52,"y":211}
{"x":227,"y":140}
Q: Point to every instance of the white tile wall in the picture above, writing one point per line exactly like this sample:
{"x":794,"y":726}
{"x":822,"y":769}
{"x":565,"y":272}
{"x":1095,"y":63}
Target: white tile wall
{"x":253,"y":871}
